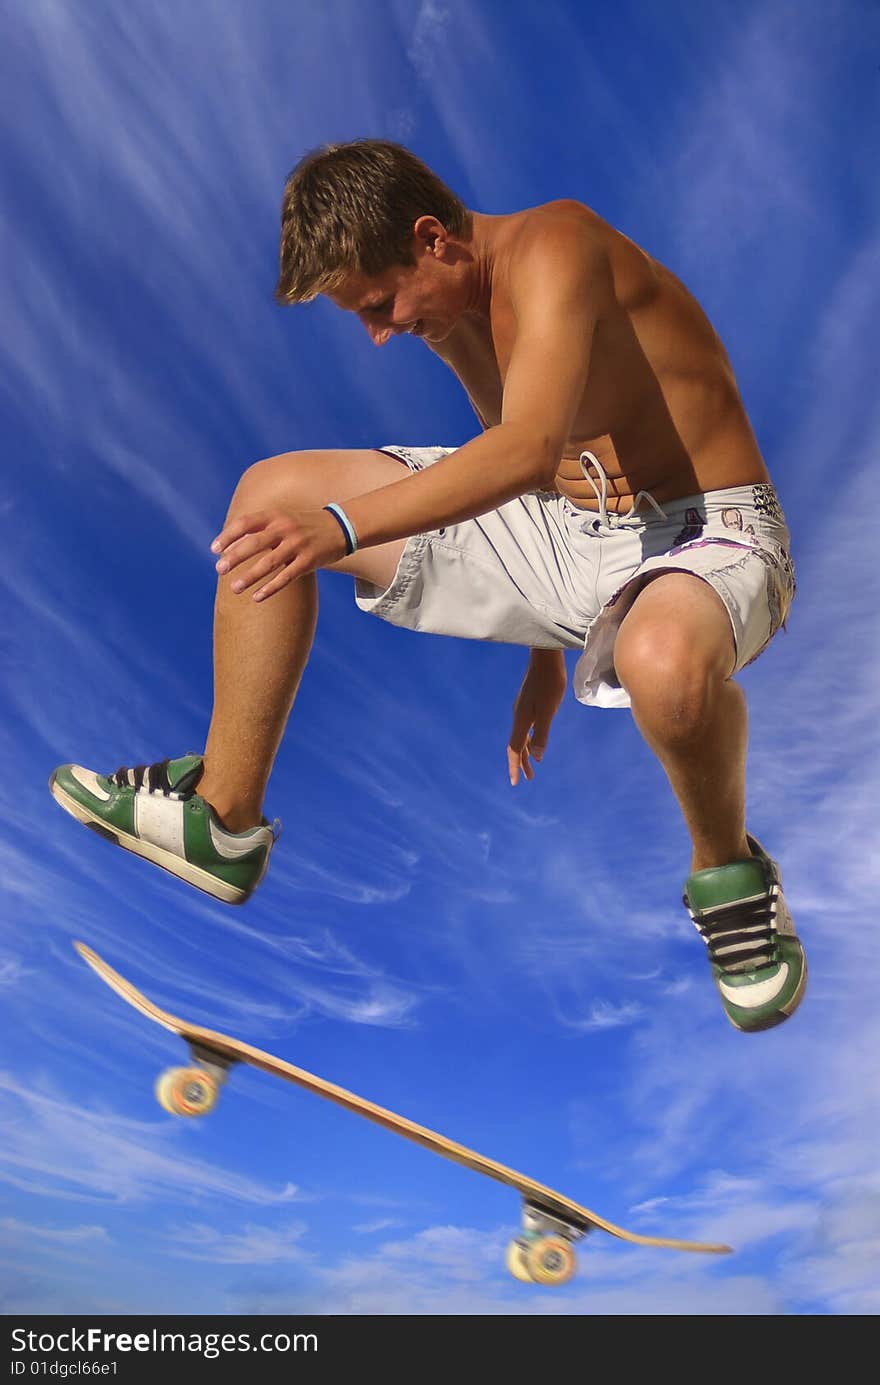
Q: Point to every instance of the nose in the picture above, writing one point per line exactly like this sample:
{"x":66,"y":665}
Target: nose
{"x":378,"y":335}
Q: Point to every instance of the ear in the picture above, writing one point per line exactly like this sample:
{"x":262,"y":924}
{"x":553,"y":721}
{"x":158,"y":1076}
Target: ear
{"x":430,"y":237}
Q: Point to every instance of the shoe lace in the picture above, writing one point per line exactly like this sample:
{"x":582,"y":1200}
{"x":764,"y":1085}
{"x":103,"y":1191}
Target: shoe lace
{"x":741,"y":935}
{"x":156,"y":776}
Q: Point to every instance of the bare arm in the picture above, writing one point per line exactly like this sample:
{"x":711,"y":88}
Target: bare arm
{"x":534,"y":708}
{"x":560,"y":329}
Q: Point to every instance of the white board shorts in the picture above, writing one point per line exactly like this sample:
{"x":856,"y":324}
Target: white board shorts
{"x":541,"y":572}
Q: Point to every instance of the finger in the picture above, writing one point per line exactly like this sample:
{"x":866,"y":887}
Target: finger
{"x":242,"y":549}
{"x":237,"y":528}
{"x":262,"y":569}
{"x":513,"y":766}
{"x":522,"y":724}
{"x":541,"y":732}
{"x":282,"y":579}
{"x":515,"y":747}
{"x":536,"y":746}
{"x":528,"y":771}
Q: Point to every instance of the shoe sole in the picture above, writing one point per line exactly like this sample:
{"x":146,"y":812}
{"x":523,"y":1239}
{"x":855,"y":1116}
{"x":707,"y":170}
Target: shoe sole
{"x":184,"y":870}
{"x":781,"y":1015}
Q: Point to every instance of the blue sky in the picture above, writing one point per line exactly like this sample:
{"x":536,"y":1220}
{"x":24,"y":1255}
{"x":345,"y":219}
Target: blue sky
{"x":509,"y":967}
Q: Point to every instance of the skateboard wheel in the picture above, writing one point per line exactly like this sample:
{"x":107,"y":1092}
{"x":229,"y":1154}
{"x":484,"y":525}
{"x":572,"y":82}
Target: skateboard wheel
{"x":516,"y":1263}
{"x":550,"y":1260}
{"x":187,"y":1091}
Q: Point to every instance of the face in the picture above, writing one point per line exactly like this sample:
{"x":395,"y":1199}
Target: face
{"x":421,"y":299}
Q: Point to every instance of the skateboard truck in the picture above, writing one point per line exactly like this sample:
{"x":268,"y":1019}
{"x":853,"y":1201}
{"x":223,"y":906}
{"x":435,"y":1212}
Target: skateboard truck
{"x":193,"y":1091}
{"x":543,"y":1252}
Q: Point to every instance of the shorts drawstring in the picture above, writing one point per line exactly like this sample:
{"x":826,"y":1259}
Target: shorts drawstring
{"x":613,"y":521}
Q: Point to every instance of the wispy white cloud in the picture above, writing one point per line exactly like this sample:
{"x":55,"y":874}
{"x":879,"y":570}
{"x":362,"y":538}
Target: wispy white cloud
{"x":202,"y":283}
{"x":373,"y":1227}
{"x":837,"y":1263}
{"x":603,"y":1014}
{"x":841,"y":421}
{"x":12,"y":972}
{"x":733,"y":163}
{"x":735,"y":1210}
{"x":464,"y":62}
{"x":302,"y":873}
{"x":252,"y":1245}
{"x":57,"y":1149}
{"x":361,"y":992}
{"x":429,"y":31}
{"x":11,"y":1229}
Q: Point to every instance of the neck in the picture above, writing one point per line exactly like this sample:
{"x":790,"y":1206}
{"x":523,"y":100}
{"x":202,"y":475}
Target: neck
{"x":481,"y":247}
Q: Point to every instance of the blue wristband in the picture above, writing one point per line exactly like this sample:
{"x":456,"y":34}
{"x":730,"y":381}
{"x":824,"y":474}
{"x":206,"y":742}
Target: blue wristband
{"x":345,"y":524}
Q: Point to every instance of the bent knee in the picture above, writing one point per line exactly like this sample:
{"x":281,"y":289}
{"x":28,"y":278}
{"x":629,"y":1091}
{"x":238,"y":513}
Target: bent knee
{"x":288,"y":477}
{"x":668,"y":678}
{"x":309,"y":480}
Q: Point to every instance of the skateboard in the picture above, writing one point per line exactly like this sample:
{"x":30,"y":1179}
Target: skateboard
{"x":543,"y":1253}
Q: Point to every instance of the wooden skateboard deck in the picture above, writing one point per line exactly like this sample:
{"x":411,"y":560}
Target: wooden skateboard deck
{"x":551,"y":1221}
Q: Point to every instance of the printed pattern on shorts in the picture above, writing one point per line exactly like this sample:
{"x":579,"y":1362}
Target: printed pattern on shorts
{"x":766,"y":502}
{"x":694,"y":524}
{"x":733,"y":519}
{"x":781,"y":580}
{"x":781,"y":588}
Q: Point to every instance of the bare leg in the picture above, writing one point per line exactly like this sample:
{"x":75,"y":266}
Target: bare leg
{"x":674,"y":655}
{"x":261,"y":648}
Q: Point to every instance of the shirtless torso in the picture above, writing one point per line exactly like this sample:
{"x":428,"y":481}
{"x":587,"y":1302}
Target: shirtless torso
{"x":661,"y":409}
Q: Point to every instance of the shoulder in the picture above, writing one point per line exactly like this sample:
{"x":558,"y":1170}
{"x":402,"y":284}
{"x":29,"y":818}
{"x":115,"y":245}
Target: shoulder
{"x":557,"y":247}
{"x":564,"y":222}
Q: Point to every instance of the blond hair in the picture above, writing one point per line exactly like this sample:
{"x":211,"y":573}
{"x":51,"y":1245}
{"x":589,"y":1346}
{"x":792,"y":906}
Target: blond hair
{"x":351,"y":208}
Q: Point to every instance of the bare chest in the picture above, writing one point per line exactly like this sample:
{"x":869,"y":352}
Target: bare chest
{"x":480,"y":350}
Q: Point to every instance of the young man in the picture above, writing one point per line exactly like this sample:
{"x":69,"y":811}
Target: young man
{"x":616,"y":502}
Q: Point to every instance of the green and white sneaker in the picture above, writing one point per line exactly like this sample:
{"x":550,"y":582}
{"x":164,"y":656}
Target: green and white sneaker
{"x":756,"y":958}
{"x":154,"y":811}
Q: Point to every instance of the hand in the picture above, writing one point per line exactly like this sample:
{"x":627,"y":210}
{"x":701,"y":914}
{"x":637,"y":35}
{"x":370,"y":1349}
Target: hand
{"x":536,"y":705}
{"x":290,"y":545}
